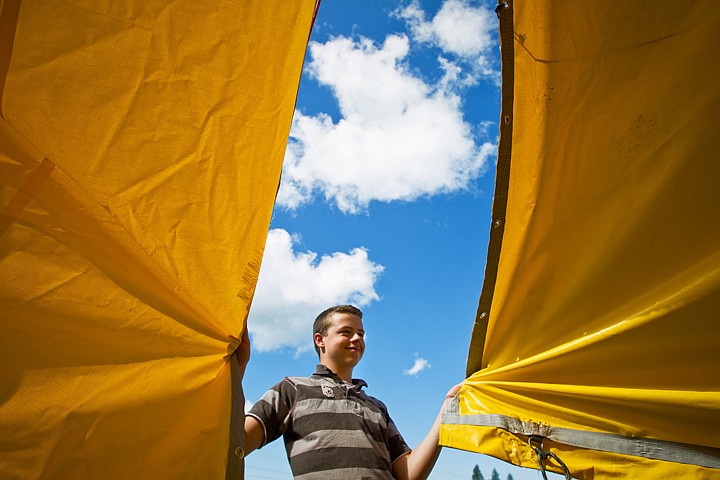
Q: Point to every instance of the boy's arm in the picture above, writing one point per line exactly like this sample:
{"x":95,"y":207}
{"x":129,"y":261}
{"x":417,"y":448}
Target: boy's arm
{"x":254,"y":434}
{"x":418,"y":464}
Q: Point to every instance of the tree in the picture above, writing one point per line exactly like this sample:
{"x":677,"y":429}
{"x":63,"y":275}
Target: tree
{"x":477,"y":474}
{"x":510,"y":477}
{"x":495,"y":475}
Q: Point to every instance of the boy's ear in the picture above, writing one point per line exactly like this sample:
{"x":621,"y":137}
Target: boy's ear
{"x":319,"y":340}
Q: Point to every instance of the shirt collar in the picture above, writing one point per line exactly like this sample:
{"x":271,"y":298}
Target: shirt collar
{"x":323,"y":371}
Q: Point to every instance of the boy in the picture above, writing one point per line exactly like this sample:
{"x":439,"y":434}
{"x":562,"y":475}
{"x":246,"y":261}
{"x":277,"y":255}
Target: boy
{"x":331,"y":428}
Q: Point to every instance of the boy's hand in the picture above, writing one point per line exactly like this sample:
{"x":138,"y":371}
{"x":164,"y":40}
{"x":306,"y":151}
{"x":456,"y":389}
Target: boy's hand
{"x":453,"y":391}
{"x":242,"y":353}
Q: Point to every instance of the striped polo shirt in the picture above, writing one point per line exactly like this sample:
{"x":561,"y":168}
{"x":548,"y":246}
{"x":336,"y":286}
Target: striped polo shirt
{"x":331,"y":429}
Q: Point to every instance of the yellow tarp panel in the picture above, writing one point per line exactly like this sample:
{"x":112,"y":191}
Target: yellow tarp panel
{"x":140,"y":153}
{"x":598,"y":326}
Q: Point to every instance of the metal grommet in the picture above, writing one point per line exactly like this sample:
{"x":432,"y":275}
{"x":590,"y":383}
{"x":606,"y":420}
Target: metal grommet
{"x":506,"y":119}
{"x":501,"y":5}
{"x":483,"y":315}
{"x":239,"y":453}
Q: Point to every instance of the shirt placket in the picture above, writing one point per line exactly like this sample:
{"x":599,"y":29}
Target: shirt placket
{"x":349,"y":398}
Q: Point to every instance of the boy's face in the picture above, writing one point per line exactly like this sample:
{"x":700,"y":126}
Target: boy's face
{"x":344,"y":343}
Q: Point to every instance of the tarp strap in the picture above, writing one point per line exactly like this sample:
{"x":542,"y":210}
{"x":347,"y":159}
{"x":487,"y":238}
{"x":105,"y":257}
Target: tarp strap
{"x":504,"y":12}
{"x":236,"y":453}
{"x":606,"y":442}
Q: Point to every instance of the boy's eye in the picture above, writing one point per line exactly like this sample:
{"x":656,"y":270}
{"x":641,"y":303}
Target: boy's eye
{"x":350,"y":333}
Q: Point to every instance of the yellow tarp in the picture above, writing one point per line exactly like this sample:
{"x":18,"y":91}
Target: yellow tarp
{"x":141,"y":144}
{"x":598,"y":327}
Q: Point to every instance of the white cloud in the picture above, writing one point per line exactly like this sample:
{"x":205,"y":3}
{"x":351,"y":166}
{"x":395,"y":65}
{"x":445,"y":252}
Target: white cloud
{"x":419,"y":365}
{"x":399,"y":137}
{"x":295,"y":286}
{"x":458,"y":28}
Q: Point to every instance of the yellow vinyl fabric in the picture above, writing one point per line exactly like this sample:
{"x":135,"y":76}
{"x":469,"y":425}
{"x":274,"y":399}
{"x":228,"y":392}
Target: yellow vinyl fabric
{"x":141,"y":145}
{"x":597,"y":332}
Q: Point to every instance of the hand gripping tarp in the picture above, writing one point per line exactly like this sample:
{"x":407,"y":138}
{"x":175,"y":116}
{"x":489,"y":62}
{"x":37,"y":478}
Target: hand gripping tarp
{"x":141,"y":145}
{"x":597,"y":337}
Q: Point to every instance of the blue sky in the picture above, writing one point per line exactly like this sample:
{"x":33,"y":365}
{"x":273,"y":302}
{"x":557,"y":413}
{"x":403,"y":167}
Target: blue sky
{"x":385,"y":203}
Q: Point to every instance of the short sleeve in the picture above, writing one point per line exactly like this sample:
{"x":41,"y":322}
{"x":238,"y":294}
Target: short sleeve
{"x":396,"y":443}
{"x":274,"y":409}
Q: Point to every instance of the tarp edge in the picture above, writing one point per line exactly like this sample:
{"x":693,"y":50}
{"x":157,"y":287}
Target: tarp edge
{"x":504,"y":12}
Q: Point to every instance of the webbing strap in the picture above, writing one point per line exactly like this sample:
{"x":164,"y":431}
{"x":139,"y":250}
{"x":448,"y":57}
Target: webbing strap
{"x":605,"y":442}
{"x":236,"y":453}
